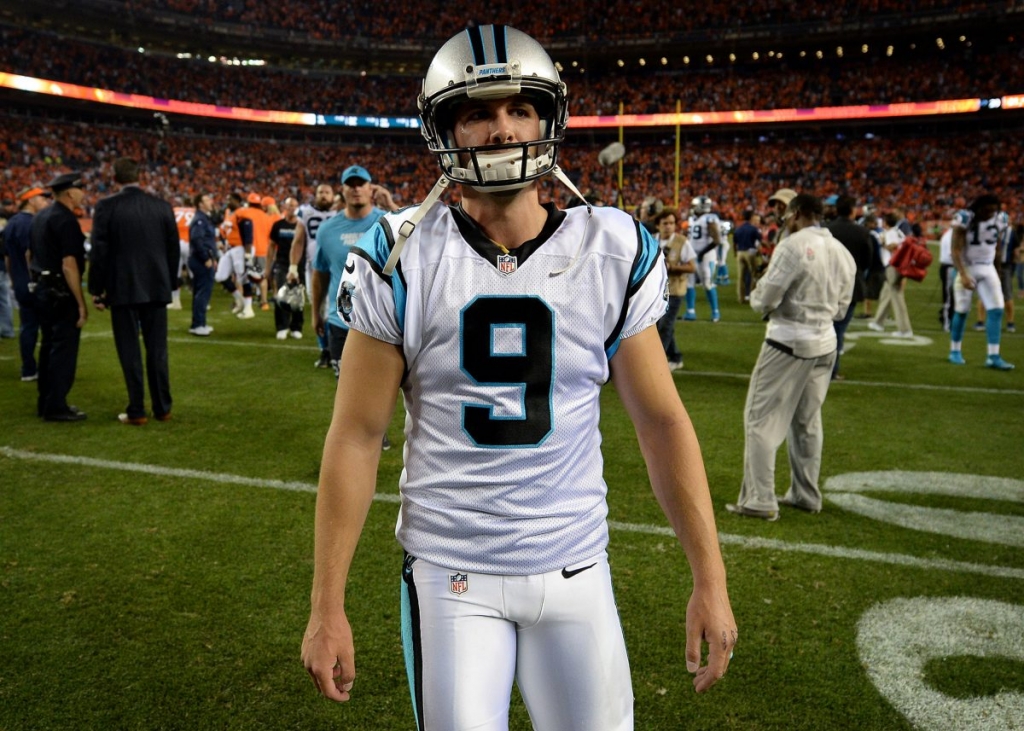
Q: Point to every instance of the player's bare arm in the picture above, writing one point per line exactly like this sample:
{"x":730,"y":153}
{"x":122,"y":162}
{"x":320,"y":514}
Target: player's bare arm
{"x":348,"y":476}
{"x":669,"y":445}
{"x":959,"y":246}
{"x":297,"y":250}
{"x":321,"y":282}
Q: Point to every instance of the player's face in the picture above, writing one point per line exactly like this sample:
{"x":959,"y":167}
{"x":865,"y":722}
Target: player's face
{"x":324,"y":197}
{"x":496,"y":121}
{"x":356,"y":192}
{"x":667,"y":227}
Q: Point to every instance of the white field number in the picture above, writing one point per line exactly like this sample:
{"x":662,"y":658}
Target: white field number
{"x":896,"y":639}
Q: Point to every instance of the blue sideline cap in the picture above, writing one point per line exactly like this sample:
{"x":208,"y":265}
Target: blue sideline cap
{"x":355,"y":171}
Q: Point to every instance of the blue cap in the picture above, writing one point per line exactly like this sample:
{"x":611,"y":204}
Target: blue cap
{"x":355,"y":171}
{"x":831,"y":200}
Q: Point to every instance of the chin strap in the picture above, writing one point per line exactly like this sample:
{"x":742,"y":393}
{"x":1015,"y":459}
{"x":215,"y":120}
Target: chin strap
{"x":564,"y":180}
{"x":406,"y":229}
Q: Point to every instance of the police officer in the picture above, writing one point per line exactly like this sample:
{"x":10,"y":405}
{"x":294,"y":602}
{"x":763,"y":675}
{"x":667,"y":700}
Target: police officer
{"x":58,"y":260}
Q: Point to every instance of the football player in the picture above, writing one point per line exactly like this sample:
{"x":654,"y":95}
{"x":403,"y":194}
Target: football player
{"x":311,"y":217}
{"x":705,"y":238}
{"x":977,"y":234}
{"x":182,"y":219}
{"x":467,"y":310}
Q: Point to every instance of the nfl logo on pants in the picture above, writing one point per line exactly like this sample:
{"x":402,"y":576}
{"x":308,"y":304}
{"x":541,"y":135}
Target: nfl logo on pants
{"x":458,"y":583}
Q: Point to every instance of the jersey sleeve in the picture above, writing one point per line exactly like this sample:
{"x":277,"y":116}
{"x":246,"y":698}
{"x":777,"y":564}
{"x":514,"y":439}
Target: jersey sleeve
{"x":647,"y":298}
{"x":367,"y":299}
{"x":962,"y":219}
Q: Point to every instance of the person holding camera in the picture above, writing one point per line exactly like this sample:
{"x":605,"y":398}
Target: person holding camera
{"x":58,"y":261}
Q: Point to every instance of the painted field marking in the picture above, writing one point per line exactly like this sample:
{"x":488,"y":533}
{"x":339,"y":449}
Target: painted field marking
{"x":851,"y":338}
{"x":728,"y":539}
{"x":1007,"y":530}
{"x":898,"y":638}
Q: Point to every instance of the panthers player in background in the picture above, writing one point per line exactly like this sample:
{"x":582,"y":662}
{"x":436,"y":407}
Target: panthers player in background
{"x":977,"y":234}
{"x":705,"y":237}
{"x":500,"y":319}
{"x":311,"y":216}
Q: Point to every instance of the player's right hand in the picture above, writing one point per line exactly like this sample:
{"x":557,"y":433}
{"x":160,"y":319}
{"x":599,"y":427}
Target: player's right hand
{"x":329,"y":656}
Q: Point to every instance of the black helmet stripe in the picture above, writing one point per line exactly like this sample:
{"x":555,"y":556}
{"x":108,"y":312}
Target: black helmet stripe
{"x":488,"y":47}
{"x":477,"y":42}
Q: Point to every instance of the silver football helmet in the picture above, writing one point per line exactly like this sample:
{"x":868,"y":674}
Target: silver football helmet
{"x":701,"y":204}
{"x":292,"y":297}
{"x":493,"y":62}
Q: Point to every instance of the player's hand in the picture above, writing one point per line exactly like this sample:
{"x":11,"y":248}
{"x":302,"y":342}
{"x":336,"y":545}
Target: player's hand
{"x":83,"y":316}
{"x":709,"y":619}
{"x":381,"y":197}
{"x":329,"y":655}
{"x":968,"y":282}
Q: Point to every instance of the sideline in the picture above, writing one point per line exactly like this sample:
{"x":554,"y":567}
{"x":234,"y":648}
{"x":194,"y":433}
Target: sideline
{"x":310,"y":347}
{"x":727,"y":539}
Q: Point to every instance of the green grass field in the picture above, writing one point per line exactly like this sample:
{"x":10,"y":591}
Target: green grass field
{"x":175,"y":598}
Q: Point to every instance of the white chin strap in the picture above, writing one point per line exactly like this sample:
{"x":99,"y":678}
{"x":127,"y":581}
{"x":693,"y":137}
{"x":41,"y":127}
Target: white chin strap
{"x":407,"y":228}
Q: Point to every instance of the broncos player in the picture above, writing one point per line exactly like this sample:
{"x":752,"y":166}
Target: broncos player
{"x":977,"y":235}
{"x":477,"y":314}
{"x":705,"y":237}
{"x":311,"y":217}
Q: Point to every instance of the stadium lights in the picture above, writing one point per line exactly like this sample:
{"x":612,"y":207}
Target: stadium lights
{"x":941,"y":44}
{"x":643,"y":62}
{"x":620,"y":63}
{"x":864,"y":48}
{"x":141,"y":49}
{"x":732,"y":58}
{"x":686,"y":60}
{"x":963,"y":38}
{"x":755,"y":55}
{"x":839,"y":51}
{"x":710,"y":58}
{"x":888,"y":51}
{"x":803,"y":54}
{"x":819,"y":54}
{"x":664,"y":61}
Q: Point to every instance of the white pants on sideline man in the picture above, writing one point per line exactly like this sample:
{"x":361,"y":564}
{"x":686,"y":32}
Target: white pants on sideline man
{"x":784,"y":404}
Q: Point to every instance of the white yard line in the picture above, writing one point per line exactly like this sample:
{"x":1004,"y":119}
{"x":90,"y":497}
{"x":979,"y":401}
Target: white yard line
{"x":727,"y":539}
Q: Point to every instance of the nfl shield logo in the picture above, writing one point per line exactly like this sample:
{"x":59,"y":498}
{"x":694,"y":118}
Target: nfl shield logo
{"x":458,"y":583}
{"x":507,"y":264}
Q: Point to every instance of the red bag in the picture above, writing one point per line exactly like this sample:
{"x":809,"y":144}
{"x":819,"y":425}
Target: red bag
{"x":912,"y":259}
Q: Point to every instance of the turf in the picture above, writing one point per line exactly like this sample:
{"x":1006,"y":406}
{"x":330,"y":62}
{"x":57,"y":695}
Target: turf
{"x":133,"y":600}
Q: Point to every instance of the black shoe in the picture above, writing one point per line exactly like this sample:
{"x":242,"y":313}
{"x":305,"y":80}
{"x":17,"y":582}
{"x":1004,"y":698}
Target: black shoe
{"x":324,"y":361}
{"x":72,"y":414}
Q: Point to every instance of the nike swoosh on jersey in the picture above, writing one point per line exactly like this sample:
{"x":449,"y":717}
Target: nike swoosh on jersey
{"x":350,"y":268}
{"x":567,"y":574}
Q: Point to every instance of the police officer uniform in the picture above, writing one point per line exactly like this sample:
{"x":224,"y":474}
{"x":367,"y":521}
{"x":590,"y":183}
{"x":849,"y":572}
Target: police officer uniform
{"x":56,"y":234}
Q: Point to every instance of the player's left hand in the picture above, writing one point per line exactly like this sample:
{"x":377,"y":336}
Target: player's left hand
{"x":381,"y":197}
{"x":709,"y":619}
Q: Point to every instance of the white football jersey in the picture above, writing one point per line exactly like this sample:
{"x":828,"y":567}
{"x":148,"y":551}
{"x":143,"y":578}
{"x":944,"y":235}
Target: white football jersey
{"x":311,"y":218}
{"x":506,"y":356}
{"x":982,"y":237}
{"x":699,"y":232}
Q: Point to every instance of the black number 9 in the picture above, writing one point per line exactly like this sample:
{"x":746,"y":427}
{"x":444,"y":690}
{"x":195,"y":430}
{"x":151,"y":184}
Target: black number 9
{"x":532,"y":368}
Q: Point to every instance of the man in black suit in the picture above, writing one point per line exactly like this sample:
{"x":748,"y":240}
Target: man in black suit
{"x":133,"y":264}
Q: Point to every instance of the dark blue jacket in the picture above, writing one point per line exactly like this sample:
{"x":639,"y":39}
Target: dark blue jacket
{"x":202,"y":238}
{"x":18,"y":240}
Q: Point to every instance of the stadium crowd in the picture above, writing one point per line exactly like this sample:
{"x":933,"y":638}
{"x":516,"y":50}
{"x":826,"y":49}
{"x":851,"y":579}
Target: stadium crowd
{"x":323,"y":19}
{"x":929,"y":178}
{"x":922,"y":75}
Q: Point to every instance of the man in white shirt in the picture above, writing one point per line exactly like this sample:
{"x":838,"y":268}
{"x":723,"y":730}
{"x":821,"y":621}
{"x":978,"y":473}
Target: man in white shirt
{"x":808,"y":286}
